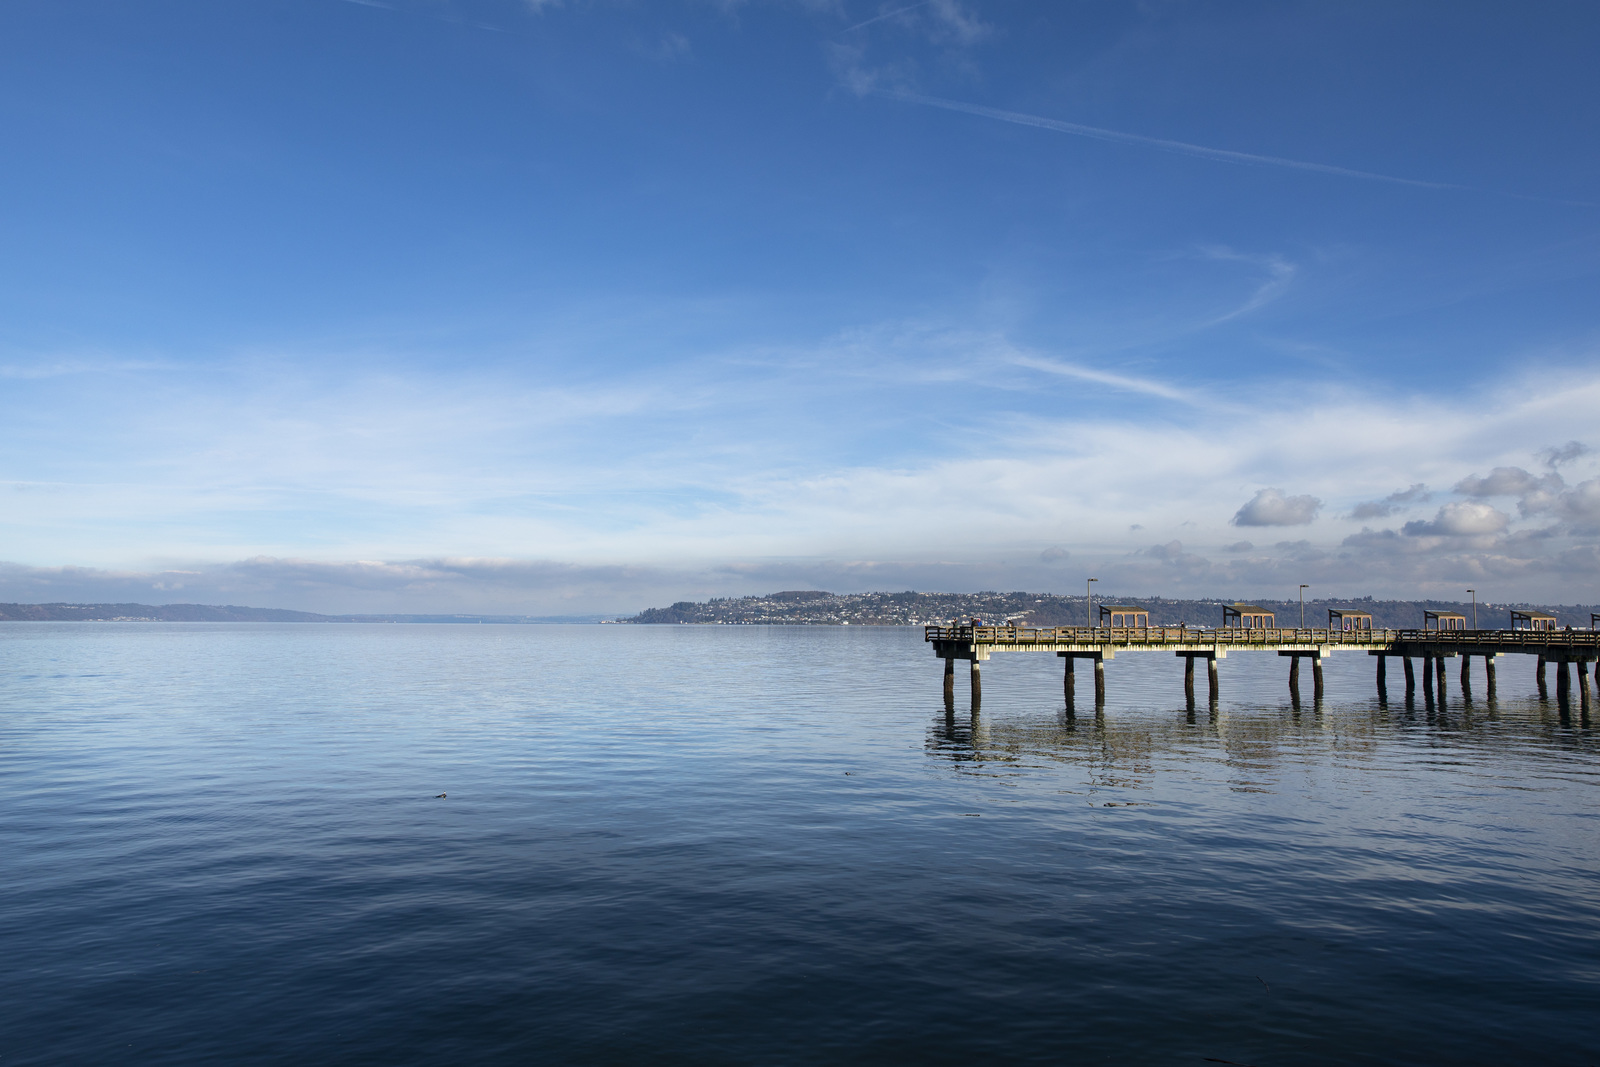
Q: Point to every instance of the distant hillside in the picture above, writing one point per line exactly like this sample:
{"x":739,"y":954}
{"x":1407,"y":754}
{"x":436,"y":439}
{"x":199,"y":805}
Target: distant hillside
{"x":818,"y":608}
{"x":231,"y":613}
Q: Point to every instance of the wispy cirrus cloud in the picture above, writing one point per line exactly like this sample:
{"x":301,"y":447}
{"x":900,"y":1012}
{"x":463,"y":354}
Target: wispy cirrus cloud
{"x":906,"y":10}
{"x":1130,"y":383}
{"x":1395,"y":501}
{"x":1185,"y":148}
{"x":1221,"y":155}
{"x":999,"y":464}
{"x":1558,"y":456}
{"x":947,"y":20}
{"x":1279,"y":274}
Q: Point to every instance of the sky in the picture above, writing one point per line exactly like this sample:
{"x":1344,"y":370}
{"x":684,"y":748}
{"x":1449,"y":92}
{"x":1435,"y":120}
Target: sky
{"x":584,"y":306}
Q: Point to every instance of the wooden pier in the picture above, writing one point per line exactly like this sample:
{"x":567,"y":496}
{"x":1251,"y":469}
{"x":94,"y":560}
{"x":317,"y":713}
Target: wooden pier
{"x":1097,"y":644}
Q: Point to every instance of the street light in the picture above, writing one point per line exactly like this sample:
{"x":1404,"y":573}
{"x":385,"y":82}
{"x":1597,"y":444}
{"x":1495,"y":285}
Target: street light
{"x":1088,"y":602}
{"x":1474,"y":593}
{"x":1303,"y":588}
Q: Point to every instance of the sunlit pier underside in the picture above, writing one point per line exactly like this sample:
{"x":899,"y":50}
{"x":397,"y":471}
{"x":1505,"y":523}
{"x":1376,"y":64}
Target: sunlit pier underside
{"x":1563,"y":648}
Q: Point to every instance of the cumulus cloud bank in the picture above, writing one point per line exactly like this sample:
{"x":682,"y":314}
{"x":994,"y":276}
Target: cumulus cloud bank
{"x":480,"y":493}
{"x":1461,"y":519}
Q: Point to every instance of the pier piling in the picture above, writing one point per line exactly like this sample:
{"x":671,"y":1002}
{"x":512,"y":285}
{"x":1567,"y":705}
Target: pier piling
{"x":1188,"y":675}
{"x":976,"y":643}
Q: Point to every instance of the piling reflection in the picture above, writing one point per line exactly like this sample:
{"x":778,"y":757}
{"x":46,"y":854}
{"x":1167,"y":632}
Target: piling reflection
{"x":1255,"y":744}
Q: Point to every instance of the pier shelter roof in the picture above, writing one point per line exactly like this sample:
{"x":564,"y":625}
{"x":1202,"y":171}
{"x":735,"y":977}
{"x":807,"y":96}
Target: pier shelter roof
{"x":1345,"y":619}
{"x":1443,"y":620}
{"x":1594,"y":620}
{"x":1248,"y":616}
{"x":1114,"y":616}
{"x":1532,"y":620}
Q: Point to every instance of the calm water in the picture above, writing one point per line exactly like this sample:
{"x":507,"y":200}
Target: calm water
{"x":735,"y":845}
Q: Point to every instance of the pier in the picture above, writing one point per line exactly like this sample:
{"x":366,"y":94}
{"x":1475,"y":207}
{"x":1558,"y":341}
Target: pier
{"x":1433,"y":647}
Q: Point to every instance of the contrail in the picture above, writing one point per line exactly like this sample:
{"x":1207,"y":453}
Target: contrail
{"x":1181,"y":147}
{"x":886,"y":15}
{"x":1119,"y":381}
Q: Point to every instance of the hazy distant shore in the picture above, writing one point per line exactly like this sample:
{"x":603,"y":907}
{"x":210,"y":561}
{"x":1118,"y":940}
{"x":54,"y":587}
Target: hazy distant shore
{"x":819,"y":608}
{"x":234,"y":613}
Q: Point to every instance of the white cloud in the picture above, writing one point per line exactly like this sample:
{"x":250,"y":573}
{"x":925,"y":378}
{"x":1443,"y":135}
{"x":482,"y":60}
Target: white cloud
{"x":720,"y":474}
{"x":1581,"y":503}
{"x":1270,"y":507}
{"x":1506,"y":481}
{"x":1461,"y":519}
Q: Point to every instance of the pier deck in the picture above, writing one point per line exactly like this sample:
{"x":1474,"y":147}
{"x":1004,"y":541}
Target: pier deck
{"x":1098,"y":643}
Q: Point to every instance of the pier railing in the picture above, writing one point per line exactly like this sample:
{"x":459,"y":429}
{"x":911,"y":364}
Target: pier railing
{"x":1238,"y":637}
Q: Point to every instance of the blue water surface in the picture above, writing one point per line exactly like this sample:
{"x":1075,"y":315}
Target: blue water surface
{"x":772,"y":845}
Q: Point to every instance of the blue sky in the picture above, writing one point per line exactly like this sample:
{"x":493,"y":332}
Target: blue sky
{"x":579,"y":305}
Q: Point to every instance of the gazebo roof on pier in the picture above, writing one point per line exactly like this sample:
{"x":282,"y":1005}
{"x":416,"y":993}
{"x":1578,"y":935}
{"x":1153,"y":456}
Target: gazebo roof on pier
{"x":1124,"y":615}
{"x":1259,"y":618}
{"x":1349,"y":619}
{"x":1517,"y":613}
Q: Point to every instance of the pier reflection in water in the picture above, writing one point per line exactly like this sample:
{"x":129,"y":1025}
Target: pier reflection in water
{"x":1369,"y":745}
{"x":1265,"y":736}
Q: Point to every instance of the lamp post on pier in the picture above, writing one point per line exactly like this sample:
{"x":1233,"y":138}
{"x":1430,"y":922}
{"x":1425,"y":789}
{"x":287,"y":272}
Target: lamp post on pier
{"x":1088,"y":602}
{"x":1474,"y":593}
{"x":1303,"y":588}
